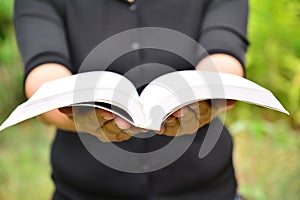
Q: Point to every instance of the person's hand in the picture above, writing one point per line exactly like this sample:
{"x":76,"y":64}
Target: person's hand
{"x":106,"y":126}
{"x":190,"y":118}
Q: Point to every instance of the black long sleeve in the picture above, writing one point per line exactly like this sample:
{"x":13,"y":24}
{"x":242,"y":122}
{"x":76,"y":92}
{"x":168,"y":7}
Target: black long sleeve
{"x":40,"y":34}
{"x":224,"y":28}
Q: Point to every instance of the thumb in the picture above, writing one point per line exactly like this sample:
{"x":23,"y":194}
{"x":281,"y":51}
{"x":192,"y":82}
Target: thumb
{"x":224,"y":103}
{"x":66,"y":110}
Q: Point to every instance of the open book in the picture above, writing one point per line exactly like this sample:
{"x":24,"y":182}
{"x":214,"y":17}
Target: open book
{"x":161,"y":97}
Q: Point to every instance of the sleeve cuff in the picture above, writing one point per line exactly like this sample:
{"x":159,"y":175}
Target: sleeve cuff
{"x":224,"y":41}
{"x":46,"y":58}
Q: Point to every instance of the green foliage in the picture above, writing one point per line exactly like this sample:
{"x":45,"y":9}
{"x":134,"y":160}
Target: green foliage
{"x":274,"y":55}
{"x":6,"y":16}
{"x":267,"y":160}
{"x":267,"y":143}
{"x":24,"y":162}
{"x":11,"y":73}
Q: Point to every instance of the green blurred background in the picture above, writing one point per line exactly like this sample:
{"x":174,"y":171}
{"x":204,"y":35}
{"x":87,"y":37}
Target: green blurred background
{"x":267,"y":143}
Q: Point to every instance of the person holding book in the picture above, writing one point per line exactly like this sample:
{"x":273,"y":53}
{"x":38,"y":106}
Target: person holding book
{"x":54,"y":38}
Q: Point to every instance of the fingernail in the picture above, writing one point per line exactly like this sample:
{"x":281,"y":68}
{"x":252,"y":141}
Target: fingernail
{"x":194,"y":106}
{"x":122,"y":124}
{"x":170,"y":119}
{"x":181,"y":112}
{"x":108,"y":117}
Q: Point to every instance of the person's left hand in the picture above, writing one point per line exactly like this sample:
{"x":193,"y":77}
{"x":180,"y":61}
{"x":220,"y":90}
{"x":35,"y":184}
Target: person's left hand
{"x":190,"y":118}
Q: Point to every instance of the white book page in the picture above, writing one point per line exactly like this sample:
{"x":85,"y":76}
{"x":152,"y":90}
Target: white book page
{"x":174,"y":90}
{"x":80,"y":88}
{"x":161,"y":97}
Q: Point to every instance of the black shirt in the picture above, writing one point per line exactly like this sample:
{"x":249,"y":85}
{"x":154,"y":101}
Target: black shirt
{"x":66,"y":31}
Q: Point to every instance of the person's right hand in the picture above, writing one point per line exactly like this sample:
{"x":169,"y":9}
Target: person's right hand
{"x":106,"y":126}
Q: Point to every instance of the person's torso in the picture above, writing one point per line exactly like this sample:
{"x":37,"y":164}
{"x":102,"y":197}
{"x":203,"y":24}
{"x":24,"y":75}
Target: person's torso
{"x":78,"y":175}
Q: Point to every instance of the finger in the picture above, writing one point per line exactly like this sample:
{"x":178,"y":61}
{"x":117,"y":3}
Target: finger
{"x":172,"y":130}
{"x":205,"y":115}
{"x":171,"y":120}
{"x":231,"y":102}
{"x":194,"y":106}
{"x":113,"y":133}
{"x":204,"y":120}
{"x":113,"y":136}
{"x":161,"y":131}
{"x":121,"y":123}
{"x":188,"y":123}
{"x":66,"y":110}
{"x":109,"y":137}
{"x":223,"y":103}
{"x":104,"y":114}
{"x":133,"y":130}
{"x":102,"y":137}
{"x":204,"y":107}
{"x":138,"y":130}
{"x":180,"y":112}
{"x":221,"y":106}
{"x":101,"y":121}
{"x":123,"y":136}
{"x":85,"y":121}
{"x":110,"y":127}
